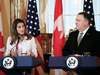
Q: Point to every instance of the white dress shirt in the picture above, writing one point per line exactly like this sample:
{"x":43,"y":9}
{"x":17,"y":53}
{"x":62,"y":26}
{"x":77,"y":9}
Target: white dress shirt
{"x":83,"y":33}
{"x":23,"y":47}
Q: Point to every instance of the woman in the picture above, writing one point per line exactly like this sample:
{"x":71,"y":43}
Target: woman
{"x":20,"y":43}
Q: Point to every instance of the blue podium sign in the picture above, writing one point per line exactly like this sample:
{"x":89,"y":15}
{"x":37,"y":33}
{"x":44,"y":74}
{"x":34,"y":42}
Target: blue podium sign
{"x":8,"y":62}
{"x":86,"y":62}
{"x":88,"y":65}
{"x":25,"y":62}
{"x":72,"y":62}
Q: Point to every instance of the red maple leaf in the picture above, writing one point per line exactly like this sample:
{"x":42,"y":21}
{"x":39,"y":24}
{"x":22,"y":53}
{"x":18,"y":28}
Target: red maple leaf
{"x":58,"y":43}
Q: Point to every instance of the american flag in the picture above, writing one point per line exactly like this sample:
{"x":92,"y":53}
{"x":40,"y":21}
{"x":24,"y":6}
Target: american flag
{"x":88,"y":7}
{"x":32,"y":19}
{"x":34,"y":30}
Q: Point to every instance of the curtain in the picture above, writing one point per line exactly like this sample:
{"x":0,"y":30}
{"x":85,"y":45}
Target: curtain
{"x":19,"y":9}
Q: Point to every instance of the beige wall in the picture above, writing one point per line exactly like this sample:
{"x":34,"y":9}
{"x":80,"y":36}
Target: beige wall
{"x":5,"y":12}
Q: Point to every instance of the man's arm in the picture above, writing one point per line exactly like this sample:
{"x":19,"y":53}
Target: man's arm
{"x":96,"y":51}
{"x":65,"y":50}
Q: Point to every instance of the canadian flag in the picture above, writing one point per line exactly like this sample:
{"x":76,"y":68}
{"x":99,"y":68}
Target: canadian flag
{"x":58,"y":33}
{"x":1,"y":42}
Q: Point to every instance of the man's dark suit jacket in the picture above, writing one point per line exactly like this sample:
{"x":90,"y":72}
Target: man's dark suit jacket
{"x":89,"y":43}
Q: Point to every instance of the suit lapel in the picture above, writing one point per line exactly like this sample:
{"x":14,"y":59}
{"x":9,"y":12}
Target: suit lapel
{"x":75,"y":38}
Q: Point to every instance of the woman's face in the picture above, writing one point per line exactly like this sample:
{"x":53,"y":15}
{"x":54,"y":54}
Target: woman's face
{"x":20,"y":28}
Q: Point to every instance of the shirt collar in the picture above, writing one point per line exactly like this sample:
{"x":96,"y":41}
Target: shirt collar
{"x":25,"y":37}
{"x":85,"y":30}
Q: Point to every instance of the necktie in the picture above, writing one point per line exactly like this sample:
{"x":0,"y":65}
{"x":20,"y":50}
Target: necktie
{"x":80,"y":38}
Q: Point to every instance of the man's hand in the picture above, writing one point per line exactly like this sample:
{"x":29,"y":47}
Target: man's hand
{"x":78,"y":55}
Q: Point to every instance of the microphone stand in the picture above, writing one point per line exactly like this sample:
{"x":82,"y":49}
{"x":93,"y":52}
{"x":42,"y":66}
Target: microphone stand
{"x":14,"y":46}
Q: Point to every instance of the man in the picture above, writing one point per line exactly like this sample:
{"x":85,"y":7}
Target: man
{"x":90,"y":41}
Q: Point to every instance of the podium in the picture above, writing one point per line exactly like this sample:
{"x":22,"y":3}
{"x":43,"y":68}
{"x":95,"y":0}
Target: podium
{"x":89,"y":64}
{"x":22,"y":63}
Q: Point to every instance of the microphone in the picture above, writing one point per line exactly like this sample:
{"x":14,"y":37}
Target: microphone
{"x":14,"y":46}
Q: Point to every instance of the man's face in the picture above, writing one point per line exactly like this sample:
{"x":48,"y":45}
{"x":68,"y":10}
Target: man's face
{"x":80,"y":23}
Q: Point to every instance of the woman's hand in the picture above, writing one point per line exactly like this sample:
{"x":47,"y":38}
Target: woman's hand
{"x":8,"y":54}
{"x":30,"y":54}
{"x":13,"y":53}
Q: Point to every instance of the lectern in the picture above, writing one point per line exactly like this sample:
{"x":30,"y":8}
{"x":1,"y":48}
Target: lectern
{"x":22,"y":63}
{"x":91,"y":63}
